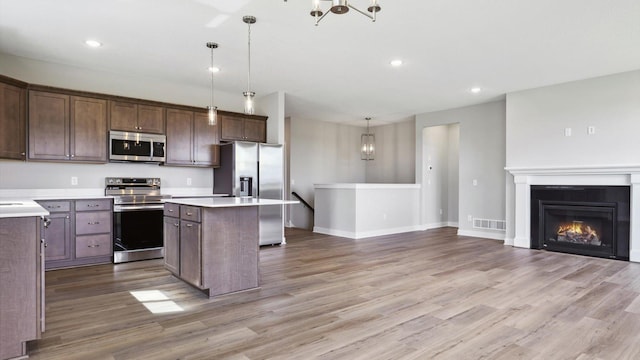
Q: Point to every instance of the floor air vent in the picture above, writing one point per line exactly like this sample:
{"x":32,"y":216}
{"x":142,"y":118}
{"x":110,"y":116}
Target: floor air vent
{"x":489,"y":224}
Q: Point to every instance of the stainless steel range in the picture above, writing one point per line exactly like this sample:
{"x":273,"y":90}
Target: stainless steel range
{"x":137,"y":218}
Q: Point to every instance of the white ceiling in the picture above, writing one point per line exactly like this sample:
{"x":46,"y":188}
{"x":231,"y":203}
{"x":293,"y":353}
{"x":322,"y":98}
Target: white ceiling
{"x":338,"y":71}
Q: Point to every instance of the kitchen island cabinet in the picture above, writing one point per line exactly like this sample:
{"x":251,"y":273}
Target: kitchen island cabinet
{"x":212,"y":243}
{"x":21,"y":277}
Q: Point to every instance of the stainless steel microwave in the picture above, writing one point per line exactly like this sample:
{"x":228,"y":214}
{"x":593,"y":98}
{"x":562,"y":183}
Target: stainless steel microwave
{"x":131,"y":146}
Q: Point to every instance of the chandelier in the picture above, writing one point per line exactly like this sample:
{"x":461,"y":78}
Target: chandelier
{"x":342,"y":7}
{"x":368,"y":144}
{"x":212,"y":109}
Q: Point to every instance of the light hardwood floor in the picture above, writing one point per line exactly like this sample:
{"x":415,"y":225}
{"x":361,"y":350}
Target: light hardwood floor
{"x":419,"y":295}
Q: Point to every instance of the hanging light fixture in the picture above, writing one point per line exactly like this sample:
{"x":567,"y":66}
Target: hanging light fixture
{"x":212,"y":110}
{"x":248,"y":95}
{"x":342,"y":7}
{"x":368,"y":144}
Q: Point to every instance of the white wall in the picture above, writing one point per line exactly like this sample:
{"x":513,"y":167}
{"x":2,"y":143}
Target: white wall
{"x":322,"y":152}
{"x":481,"y":157}
{"x":536,"y":120}
{"x":453,"y":176}
{"x":48,"y":175}
{"x":395,"y":154}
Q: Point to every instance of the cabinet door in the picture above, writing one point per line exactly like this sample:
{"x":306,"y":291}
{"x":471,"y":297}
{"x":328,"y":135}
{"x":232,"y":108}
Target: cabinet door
{"x":205,"y":141}
{"x":190,"y":253}
{"x":179,"y":137}
{"x":172,"y":244}
{"x":48,"y":126}
{"x":231,"y":128}
{"x":57,"y":237}
{"x":123,"y":116}
{"x":88,"y":129}
{"x":12,"y":122}
{"x":255,"y":130}
{"x":151,"y":119}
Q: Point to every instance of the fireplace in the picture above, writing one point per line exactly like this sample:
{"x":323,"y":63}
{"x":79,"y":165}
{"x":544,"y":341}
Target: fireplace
{"x":585,"y":220}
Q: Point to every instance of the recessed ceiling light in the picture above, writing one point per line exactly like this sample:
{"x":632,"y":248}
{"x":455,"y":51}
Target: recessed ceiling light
{"x":93,"y":43}
{"x":214,"y":69}
{"x":396,"y":62}
{"x":475,"y":90}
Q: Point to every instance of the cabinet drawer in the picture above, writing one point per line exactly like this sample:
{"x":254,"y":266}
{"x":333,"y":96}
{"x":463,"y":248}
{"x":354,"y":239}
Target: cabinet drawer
{"x":172,"y":210}
{"x":93,"y":205}
{"x":93,"y":245}
{"x":93,"y":222}
{"x":190,"y":213}
{"x":56,"y":206}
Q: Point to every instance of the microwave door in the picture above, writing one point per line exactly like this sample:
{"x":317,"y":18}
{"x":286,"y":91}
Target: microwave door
{"x":130,"y":150}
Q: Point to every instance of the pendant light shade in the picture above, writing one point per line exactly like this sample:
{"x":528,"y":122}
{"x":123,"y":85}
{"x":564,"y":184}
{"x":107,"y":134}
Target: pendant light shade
{"x":367,"y":144}
{"x":212,"y":109}
{"x":249,"y":95}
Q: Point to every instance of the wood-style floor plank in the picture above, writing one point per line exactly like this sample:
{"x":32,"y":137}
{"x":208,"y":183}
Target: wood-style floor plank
{"x":419,"y":295}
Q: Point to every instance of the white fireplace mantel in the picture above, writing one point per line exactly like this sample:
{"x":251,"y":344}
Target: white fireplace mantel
{"x":524,"y":177}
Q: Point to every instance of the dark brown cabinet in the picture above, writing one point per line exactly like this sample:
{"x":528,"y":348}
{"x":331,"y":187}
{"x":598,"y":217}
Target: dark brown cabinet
{"x":243,"y":128}
{"x":12,"y":122}
{"x":127,"y":116}
{"x":191,"y":141}
{"x":21,"y":281}
{"x":57,"y":232}
{"x":78,"y":232}
{"x":172,"y":242}
{"x":67,"y":128}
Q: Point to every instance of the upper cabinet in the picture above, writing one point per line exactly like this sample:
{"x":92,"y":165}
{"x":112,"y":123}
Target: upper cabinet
{"x":66,"y":127}
{"x":243,"y":127}
{"x":191,"y":141}
{"x":128,"y":116}
{"x":12,"y":122}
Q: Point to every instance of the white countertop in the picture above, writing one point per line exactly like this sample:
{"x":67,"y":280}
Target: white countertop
{"x":228,"y":202}
{"x":21,"y":208}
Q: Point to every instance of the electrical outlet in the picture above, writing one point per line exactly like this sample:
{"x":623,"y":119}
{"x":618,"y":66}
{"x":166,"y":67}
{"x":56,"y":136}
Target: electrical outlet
{"x":74,"y":180}
{"x":567,"y":131}
{"x":188,"y":181}
{"x":475,"y":182}
{"x":591,"y":130}
{"x":469,"y":218}
{"x":440,"y":211}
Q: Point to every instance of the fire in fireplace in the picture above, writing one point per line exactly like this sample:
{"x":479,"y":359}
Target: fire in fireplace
{"x":586,"y":220}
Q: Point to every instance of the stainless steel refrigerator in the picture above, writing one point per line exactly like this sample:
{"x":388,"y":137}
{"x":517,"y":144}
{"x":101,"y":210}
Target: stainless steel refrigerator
{"x":250,"y":169}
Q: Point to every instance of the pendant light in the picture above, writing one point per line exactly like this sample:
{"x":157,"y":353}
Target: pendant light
{"x":248,"y":95}
{"x":368,"y":144}
{"x":212,"y":110}
{"x":342,"y":7}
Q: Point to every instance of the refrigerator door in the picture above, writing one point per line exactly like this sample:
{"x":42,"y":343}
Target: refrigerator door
{"x":245,"y":158}
{"x":271,"y":186}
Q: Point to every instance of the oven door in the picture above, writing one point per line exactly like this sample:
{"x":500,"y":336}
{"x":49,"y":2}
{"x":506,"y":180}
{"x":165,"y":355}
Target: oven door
{"x":137,"y":232}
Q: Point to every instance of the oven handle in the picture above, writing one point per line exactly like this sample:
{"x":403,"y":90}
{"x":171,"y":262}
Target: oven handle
{"x":120,"y":208}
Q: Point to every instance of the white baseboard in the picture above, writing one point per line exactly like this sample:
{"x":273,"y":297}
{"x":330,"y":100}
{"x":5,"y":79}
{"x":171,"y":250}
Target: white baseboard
{"x":634,"y":256}
{"x":509,"y":241}
{"x":365,"y":234}
{"x":481,"y":234}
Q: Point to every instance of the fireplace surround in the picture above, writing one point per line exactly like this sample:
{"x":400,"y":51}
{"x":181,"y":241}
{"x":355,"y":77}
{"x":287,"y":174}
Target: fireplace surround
{"x":519,"y":197}
{"x":584,"y":220}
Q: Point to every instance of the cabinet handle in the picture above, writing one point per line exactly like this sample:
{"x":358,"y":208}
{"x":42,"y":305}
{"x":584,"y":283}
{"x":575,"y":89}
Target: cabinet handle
{"x":93,"y":223}
{"x":73,"y":156}
{"x":188,"y":225}
{"x":94,"y":246}
{"x":67,"y":216}
{"x":93,"y":205}
{"x":53,"y":207}
{"x":176,"y":225}
{"x":170,"y":210}
{"x":23,"y":154}
{"x":189,"y":213}
{"x":46,"y":223}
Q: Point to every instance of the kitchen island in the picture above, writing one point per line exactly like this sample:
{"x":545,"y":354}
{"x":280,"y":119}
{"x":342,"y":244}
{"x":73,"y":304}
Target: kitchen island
{"x":21,"y":276}
{"x":212,"y":243}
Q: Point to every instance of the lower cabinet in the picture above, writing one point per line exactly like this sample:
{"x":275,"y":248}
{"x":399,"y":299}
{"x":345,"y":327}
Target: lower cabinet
{"x":21,"y":285}
{"x":190,"y":252}
{"x":172,"y":243}
{"x":77,"y":232}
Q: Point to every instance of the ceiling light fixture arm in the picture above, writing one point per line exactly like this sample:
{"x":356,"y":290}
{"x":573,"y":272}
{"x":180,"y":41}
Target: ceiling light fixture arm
{"x":342,"y":7}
